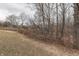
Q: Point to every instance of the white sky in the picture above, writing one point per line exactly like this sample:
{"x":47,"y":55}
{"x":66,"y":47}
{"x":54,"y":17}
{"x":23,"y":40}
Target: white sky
{"x":14,"y":8}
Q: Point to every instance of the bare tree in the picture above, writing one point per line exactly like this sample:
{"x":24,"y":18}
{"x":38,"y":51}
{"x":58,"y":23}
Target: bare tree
{"x":23,"y":18}
{"x":40,"y":15}
{"x":47,"y":15}
{"x":64,"y":9}
{"x":63,"y":19}
{"x":13,"y":20}
{"x":76,"y":25}
{"x":57,"y":20}
{"x":44,"y":12}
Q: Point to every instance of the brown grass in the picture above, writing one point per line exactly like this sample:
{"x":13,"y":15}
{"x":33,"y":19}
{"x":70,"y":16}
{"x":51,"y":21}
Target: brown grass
{"x":12,"y":43}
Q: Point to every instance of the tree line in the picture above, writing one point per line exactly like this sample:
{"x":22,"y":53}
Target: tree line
{"x":52,"y":22}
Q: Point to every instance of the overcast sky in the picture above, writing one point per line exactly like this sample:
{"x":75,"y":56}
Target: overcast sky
{"x":14,"y":8}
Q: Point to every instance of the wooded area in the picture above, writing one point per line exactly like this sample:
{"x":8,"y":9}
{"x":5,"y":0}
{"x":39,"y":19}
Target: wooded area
{"x":51,"y":22}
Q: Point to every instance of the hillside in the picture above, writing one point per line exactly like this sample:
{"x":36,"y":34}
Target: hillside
{"x":13,"y":43}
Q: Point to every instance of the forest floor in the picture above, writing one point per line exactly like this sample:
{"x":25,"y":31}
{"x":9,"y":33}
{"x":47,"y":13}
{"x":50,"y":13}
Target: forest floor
{"x":14,"y":43}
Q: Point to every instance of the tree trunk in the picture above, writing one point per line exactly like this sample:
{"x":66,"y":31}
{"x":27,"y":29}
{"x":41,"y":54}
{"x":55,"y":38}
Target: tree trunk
{"x":63,"y":20}
{"x":48,"y":17}
{"x":76,"y":25}
{"x":43,"y":25}
{"x":57,"y":21}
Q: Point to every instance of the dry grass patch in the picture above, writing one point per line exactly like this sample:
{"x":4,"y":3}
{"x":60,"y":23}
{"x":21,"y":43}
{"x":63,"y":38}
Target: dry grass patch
{"x":12,"y":43}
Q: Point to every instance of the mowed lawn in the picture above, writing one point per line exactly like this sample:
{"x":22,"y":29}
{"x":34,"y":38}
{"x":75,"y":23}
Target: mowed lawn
{"x":12,"y":43}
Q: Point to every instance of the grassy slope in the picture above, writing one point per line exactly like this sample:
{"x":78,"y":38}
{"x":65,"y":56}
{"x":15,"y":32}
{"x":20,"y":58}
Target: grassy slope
{"x":12,"y":43}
